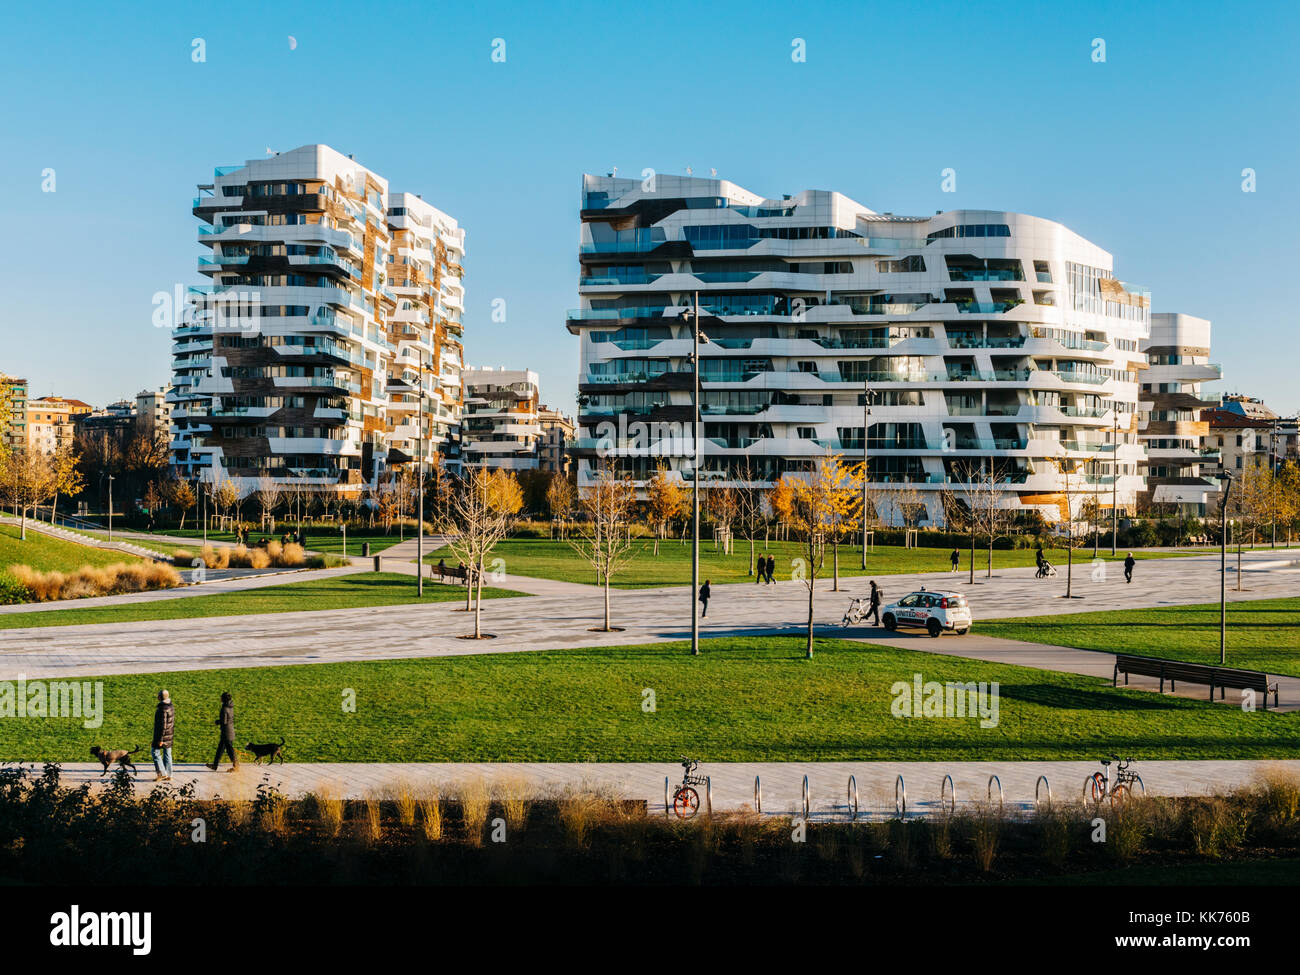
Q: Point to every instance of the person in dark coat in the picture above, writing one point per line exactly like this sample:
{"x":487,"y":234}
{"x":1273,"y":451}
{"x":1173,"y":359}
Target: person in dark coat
{"x":771,"y":568}
{"x":704,"y":597}
{"x":874,"y":608}
{"x":164,"y":728}
{"x":955,"y":559}
{"x":1129,"y":562}
{"x":226,"y":721}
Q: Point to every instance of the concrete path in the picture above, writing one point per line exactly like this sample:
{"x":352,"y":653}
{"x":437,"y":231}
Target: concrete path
{"x":566,"y":619}
{"x":732,"y":783}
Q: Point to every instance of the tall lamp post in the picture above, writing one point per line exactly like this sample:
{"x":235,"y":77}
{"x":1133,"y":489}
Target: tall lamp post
{"x":1225,"y":476}
{"x":1114,"y":484}
{"x":110,"y":507}
{"x":419,"y":528}
{"x":697,"y":451}
{"x":866,"y":430}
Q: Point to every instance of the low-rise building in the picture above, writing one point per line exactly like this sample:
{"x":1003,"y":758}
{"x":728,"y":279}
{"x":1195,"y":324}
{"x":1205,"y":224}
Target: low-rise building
{"x":153,"y":413}
{"x":13,"y":412}
{"x":1248,"y":434}
{"x":51,"y":422}
{"x":499,"y":425}
{"x":555,"y":440}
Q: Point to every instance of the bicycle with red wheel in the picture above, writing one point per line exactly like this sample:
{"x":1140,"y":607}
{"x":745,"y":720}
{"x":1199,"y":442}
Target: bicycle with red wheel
{"x":1098,"y":786}
{"x":686,"y":801}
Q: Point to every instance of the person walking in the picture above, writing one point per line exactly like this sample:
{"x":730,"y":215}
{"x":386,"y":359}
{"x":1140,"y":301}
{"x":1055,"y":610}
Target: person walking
{"x":874,"y":608}
{"x":771,"y":569}
{"x":704,"y":598}
{"x":226,"y":721}
{"x":955,"y":559}
{"x":760,"y":570}
{"x":1129,"y":562}
{"x":164,"y":727}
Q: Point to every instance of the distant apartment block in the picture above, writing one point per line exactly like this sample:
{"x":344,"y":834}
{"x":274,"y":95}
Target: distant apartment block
{"x":1248,"y":434}
{"x":555,"y":441}
{"x":13,"y":412}
{"x":153,"y":412}
{"x":325,"y":285}
{"x":990,"y":343}
{"x":1172,"y":428}
{"x":52,"y":422}
{"x":500,"y":428}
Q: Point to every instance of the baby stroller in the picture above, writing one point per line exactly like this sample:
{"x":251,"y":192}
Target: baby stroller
{"x":1045,"y":570}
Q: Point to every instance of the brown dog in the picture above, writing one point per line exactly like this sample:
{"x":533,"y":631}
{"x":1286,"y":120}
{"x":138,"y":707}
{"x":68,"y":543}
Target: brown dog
{"x":123,"y":758}
{"x":270,"y":752}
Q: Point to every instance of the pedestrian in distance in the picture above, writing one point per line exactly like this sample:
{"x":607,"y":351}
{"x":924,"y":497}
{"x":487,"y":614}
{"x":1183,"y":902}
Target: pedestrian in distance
{"x":771,"y":568}
{"x":955,"y":559}
{"x":704,"y":598}
{"x":164,"y":728}
{"x":760,"y":570}
{"x":1129,"y":562}
{"x":874,"y":608}
{"x":226,"y":743}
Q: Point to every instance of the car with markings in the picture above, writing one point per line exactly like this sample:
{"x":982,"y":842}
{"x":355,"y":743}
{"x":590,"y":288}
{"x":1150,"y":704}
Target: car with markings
{"x":933,"y":610}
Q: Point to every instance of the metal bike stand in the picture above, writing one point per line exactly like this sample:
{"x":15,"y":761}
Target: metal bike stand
{"x":853,"y":799}
{"x":900,"y":797}
{"x":758,"y":796}
{"x":1042,"y":780}
{"x":806,"y":801}
{"x":667,"y":805}
{"x":948,"y":793}
{"x":708,"y":796}
{"x":992,"y":779}
{"x":1138,"y":779}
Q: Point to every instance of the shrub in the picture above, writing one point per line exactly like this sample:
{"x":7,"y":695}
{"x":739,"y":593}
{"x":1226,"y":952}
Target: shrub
{"x":291,"y":555}
{"x":13,"y":591}
{"x":215,"y":558}
{"x":87,"y":581}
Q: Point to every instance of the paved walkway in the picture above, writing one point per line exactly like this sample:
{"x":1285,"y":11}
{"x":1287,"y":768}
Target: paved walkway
{"x":732,"y":783}
{"x":565,"y":619}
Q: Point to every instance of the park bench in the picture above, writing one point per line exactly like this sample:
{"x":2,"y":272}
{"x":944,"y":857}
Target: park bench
{"x":452,"y":572}
{"x":1176,"y":670}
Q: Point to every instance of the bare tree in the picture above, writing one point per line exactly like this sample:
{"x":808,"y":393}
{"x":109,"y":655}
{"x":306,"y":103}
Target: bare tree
{"x":269,"y":494}
{"x":482,"y":511}
{"x":27,"y":479}
{"x":605,"y":539}
{"x":751,"y":513}
{"x":985,"y":495}
{"x":559,"y":500}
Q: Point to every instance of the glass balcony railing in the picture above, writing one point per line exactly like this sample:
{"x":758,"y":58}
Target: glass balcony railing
{"x":961,"y":274}
{"x":987,"y":307}
{"x":989,"y":342}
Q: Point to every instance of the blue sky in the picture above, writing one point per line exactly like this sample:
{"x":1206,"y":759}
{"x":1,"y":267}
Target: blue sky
{"x":1142,"y":154}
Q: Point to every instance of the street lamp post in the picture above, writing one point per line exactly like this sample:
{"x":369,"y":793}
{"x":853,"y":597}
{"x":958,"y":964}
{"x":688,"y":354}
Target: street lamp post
{"x":110,"y":508}
{"x":1225,"y":476}
{"x":419,"y":530}
{"x":1114,"y":484}
{"x":866,"y":429}
{"x":695,"y":479}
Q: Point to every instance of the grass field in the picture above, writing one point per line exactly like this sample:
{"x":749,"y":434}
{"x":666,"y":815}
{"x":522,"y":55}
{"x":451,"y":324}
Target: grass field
{"x":742,"y":700}
{"x":1263,"y":634}
{"x":546,"y":559}
{"x":47,"y":554}
{"x":340,"y":592}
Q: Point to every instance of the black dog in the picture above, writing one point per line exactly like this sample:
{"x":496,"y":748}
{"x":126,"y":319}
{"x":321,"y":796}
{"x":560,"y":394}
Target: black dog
{"x":123,"y":758}
{"x":270,"y":752}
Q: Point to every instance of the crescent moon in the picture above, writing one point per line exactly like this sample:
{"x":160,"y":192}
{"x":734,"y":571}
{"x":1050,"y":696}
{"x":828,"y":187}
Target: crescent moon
{"x":293,"y":43}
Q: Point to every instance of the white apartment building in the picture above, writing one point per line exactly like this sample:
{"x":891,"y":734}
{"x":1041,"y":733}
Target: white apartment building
{"x":1172,"y":430}
{"x":986,"y":340}
{"x":500,"y":426}
{"x":324,"y":285}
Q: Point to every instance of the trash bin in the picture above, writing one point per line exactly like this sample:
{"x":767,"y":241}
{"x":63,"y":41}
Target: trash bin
{"x":365,"y":550}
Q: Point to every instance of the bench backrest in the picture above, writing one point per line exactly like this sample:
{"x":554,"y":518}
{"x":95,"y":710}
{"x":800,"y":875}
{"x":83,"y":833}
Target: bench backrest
{"x":1198,"y":673}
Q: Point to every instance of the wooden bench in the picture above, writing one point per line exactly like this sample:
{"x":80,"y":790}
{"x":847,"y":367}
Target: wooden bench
{"x":1176,"y":670}
{"x":452,"y":572}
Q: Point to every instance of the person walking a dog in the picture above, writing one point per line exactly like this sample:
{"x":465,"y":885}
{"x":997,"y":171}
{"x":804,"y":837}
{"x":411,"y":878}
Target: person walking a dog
{"x":164,"y":728}
{"x":226,"y":721}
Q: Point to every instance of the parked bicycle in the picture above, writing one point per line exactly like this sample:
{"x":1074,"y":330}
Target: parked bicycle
{"x":856,"y":613}
{"x":686,"y":801}
{"x":1099,"y":787}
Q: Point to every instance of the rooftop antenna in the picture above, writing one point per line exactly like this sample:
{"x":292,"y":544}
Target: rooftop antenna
{"x":271,"y":152}
{"x":713,"y":172}
{"x":688,"y":170}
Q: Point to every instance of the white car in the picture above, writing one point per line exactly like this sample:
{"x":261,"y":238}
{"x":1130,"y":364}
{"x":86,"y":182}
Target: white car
{"x":935,"y":610}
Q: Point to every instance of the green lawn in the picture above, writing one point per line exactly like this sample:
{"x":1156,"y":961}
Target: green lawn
{"x":328,"y":541}
{"x":46,"y":554}
{"x":1263,"y":634}
{"x":741,"y":700}
{"x":340,"y":592}
{"x":547,"y":559}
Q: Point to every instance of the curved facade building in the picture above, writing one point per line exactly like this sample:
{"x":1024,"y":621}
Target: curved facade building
{"x":986,"y":341}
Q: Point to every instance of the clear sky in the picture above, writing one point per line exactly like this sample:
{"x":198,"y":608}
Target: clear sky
{"x":1143,"y":154}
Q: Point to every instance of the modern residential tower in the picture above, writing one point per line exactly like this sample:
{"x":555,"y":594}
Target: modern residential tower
{"x":324,"y":285}
{"x":987,"y":341}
